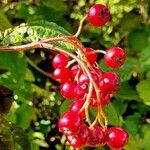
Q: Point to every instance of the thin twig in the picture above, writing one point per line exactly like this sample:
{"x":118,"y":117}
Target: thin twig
{"x":37,"y":68}
{"x":80,"y":26}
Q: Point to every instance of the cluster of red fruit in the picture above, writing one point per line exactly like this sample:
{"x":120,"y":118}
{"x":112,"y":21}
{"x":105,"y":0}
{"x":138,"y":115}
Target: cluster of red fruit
{"x":75,"y":85}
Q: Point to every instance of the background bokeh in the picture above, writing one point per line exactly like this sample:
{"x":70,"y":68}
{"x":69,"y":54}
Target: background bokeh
{"x":30,"y":107}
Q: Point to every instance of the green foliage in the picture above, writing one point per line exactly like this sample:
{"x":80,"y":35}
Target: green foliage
{"x":33,"y":32}
{"x":36,"y":99}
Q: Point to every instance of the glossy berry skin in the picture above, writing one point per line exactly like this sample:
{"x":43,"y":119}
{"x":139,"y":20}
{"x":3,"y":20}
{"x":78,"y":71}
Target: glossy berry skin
{"x":76,"y":106}
{"x":61,"y":74}
{"x":83,"y":80}
{"x":98,"y":15}
{"x":79,"y":140}
{"x":67,"y":90}
{"x":74,"y":70}
{"x":117,"y":137}
{"x":69,"y":123}
{"x":91,"y":57}
{"x":79,"y":92}
{"x":97,"y":137}
{"x":109,"y":83}
{"x":60,"y":60}
{"x":105,"y":99}
{"x":115,"y":57}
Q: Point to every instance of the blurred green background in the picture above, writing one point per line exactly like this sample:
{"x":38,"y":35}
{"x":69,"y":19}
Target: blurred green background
{"x":30,"y":123}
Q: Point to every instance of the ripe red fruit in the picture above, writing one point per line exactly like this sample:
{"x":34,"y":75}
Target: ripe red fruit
{"x":109,"y":82}
{"x":83,"y":80}
{"x":117,"y":137}
{"x":115,"y":57}
{"x":91,"y":57}
{"x":98,"y":15}
{"x":73,"y":71}
{"x":98,"y":71}
{"x":79,"y":92}
{"x":76,"y":106}
{"x":61,"y":74}
{"x":105,"y":99}
{"x":79,"y":140}
{"x":69,"y":123}
{"x":67,"y":89}
{"x":60,"y":60}
{"x":96,"y":137}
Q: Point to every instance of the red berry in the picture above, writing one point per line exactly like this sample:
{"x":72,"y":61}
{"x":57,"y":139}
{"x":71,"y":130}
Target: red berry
{"x":93,"y":100}
{"x":79,"y":92}
{"x":98,"y":15}
{"x":105,"y":99}
{"x":67,"y":89}
{"x":83,"y":80}
{"x":109,"y":82}
{"x":74,"y":70}
{"x":96,"y":137}
{"x":69,"y":123}
{"x":79,"y":140}
{"x":61,"y":74}
{"x":115,"y":57}
{"x":98,"y":71}
{"x":60,"y":60}
{"x":117,"y":137}
{"x":76,"y":106}
{"x":91,"y":57}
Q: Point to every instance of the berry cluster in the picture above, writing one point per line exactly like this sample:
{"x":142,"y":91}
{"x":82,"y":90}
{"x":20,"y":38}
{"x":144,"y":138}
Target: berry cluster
{"x":84,"y":82}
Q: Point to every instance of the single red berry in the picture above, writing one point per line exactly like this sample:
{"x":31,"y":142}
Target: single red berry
{"x":60,"y":60}
{"x":79,"y":92}
{"x":115,"y":57}
{"x":91,"y":57}
{"x":69,"y":123}
{"x":74,"y":70}
{"x":96,"y":137}
{"x":98,"y":15}
{"x":83,"y":80}
{"x":117,"y":137}
{"x":79,"y":140}
{"x":61,"y":74}
{"x":105,"y":99}
{"x":109,"y":82}
{"x":67,"y":89}
{"x":76,"y":106}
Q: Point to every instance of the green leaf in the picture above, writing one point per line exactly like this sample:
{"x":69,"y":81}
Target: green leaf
{"x":29,"y":75}
{"x":131,"y":123}
{"x":113,"y":118}
{"x":15,"y":63}
{"x":120,"y":106}
{"x":143,"y":91}
{"x":134,"y":142}
{"x":24,"y":116}
{"x":65,"y":106}
{"x":124,"y":89}
{"x":138,"y":40}
{"x":146,"y":143}
{"x":129,"y":22}
{"x":125,"y":71}
{"x":34,"y":31}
